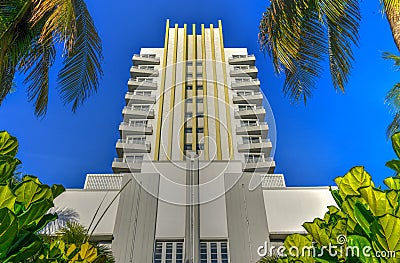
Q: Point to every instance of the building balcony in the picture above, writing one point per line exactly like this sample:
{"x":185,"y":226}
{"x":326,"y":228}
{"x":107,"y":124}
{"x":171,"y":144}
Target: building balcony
{"x":260,"y":128}
{"x":139,"y":98}
{"x":258,"y":163}
{"x":131,"y":146}
{"x":253,"y":98}
{"x":121,"y":165}
{"x":246,"y":84}
{"x":143,"y":71}
{"x":244,"y":71}
{"x":138,"y":113}
{"x":126,"y":128}
{"x":145,"y":59}
{"x":273,"y":181}
{"x":251,"y":113}
{"x":141,"y":84}
{"x":242,"y":60}
{"x":262,"y":146}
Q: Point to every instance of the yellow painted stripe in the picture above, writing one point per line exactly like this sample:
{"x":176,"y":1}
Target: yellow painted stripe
{"x":194,"y":89}
{"x":217,"y":123}
{"x":226,"y":91}
{"x":182,"y":132}
{"x":205,"y":110}
{"x":161,"y":100}
{"x":172,"y":99}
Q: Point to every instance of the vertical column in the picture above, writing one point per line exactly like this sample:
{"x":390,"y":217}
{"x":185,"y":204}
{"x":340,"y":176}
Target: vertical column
{"x":226,"y":92}
{"x":194,"y":91}
{"x":182,"y":132}
{"x":161,"y":99}
{"x":172,"y":98}
{"x":217,"y":122}
{"x":205,"y":110}
{"x":192,"y":224}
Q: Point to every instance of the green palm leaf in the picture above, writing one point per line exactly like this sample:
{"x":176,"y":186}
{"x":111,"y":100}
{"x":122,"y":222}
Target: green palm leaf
{"x":79,"y":77}
{"x":298,"y":35}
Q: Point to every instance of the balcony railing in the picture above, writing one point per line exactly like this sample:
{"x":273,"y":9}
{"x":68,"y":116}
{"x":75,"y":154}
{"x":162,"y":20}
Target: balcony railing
{"x":251,"y":124}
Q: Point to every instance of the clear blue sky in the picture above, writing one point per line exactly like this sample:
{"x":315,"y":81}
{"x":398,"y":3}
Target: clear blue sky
{"x":316,"y":142}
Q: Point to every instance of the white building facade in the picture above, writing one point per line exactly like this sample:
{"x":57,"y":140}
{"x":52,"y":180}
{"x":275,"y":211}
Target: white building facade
{"x":194,"y":177}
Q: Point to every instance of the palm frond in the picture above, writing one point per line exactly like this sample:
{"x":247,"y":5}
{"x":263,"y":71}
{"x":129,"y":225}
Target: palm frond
{"x":394,"y":58}
{"x":41,"y":57}
{"x":394,"y":126}
{"x":298,"y":35}
{"x":79,"y":77}
{"x":60,"y":20}
{"x":343,"y":20}
{"x":392,"y":11}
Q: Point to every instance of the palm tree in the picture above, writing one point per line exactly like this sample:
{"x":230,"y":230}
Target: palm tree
{"x":299,"y":35}
{"x":393,"y":98}
{"x":30,"y":31}
{"x":75,"y":233}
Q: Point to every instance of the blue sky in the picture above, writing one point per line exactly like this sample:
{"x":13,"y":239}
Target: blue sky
{"x":316,"y":143}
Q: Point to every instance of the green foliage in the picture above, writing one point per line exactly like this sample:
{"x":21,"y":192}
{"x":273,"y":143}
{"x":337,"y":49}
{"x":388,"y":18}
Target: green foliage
{"x":365,"y":216}
{"x":392,"y":100}
{"x":29,"y":32}
{"x":24,"y":207}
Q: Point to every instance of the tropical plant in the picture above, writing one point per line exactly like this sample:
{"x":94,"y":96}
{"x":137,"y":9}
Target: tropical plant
{"x":269,"y":259}
{"x":299,"y":35}
{"x":24,"y":206}
{"x":29,"y":33}
{"x":365,"y":217}
{"x":393,"y":98}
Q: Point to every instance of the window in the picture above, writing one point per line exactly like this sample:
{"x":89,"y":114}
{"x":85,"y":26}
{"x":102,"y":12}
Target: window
{"x":189,"y":100}
{"x":143,"y":93}
{"x":200,"y":87}
{"x":248,"y":140}
{"x":241,"y":67}
{"x":214,"y":252}
{"x":142,"y":79}
{"x":136,"y":140}
{"x":188,"y":114}
{"x":199,"y":75}
{"x":199,"y":100}
{"x":141,"y":107}
{"x":189,"y":87}
{"x":253,"y":158}
{"x":189,"y":63}
{"x":148,"y":55}
{"x":168,"y":252}
{"x":200,"y":130}
{"x":247,"y":123}
{"x":188,"y":147}
{"x":138,"y":123}
{"x":200,"y":146}
{"x":134,"y":158}
{"x":147,"y":67}
{"x":189,"y":75}
{"x":246,"y":107}
{"x":188,"y":130}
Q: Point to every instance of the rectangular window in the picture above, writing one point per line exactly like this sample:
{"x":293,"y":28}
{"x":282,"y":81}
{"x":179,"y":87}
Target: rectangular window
{"x":189,"y":75}
{"x":189,"y":87}
{"x":200,"y":130}
{"x":188,"y":130}
{"x":199,"y":100}
{"x":200,"y":146}
{"x":138,"y":123}
{"x":168,"y":252}
{"x":188,"y":114}
{"x":188,"y":147}
{"x":214,"y":252}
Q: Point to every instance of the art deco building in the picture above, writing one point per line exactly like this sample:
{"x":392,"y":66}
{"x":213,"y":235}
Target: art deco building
{"x":194,"y":175}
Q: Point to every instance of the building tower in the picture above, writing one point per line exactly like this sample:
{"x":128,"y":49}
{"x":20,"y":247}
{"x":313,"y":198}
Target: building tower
{"x":193,"y":156}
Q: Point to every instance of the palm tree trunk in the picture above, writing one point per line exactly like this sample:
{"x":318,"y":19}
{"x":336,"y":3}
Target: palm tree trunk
{"x":393,"y":16}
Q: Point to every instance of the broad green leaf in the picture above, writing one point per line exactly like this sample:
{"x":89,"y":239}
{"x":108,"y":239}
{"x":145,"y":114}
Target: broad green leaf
{"x":29,"y":192}
{"x":8,"y":230}
{"x":7,"y":197}
{"x":31,"y":178}
{"x":319,"y":235}
{"x":396,"y":143}
{"x":30,"y":218}
{"x":26,"y":246}
{"x":376,"y":200}
{"x":302,"y":243}
{"x":386,"y":233}
{"x":392,"y":182}
{"x":364,"y":217}
{"x":57,"y":189}
{"x":45,"y":220}
{"x":356,"y":178}
{"x":7,"y":167}
{"x":394,"y":165}
{"x":336,"y":196}
{"x":361,"y":242}
{"x":8,"y":144}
